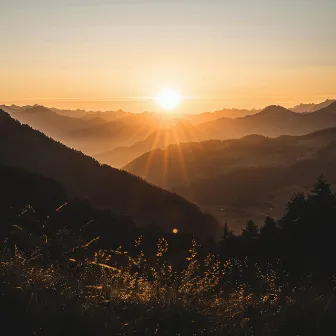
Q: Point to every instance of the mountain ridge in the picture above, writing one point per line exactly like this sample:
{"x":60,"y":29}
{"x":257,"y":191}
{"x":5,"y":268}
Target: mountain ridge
{"x":251,"y":172}
{"x":106,"y":187}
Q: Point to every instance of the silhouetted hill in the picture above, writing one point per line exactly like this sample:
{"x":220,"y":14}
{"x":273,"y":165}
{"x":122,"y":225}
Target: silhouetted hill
{"x":274,"y":111}
{"x":120,"y":156}
{"x":252,"y":171}
{"x":20,"y":188}
{"x":10,"y":109}
{"x":70,"y":113}
{"x":118,"y":137}
{"x":213,"y":157}
{"x":107,"y":135}
{"x":306,"y":108}
{"x":223,"y":113}
{"x":36,"y":204}
{"x":89,"y":134}
{"x":23,"y":147}
{"x":54,"y":125}
{"x":272,"y":121}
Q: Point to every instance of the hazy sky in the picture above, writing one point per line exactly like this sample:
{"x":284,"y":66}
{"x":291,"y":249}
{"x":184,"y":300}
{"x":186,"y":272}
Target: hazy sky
{"x":102,"y":54}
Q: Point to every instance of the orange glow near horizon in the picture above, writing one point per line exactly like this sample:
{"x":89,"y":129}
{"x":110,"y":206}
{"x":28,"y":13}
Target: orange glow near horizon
{"x":239,"y":99}
{"x":111,"y":55}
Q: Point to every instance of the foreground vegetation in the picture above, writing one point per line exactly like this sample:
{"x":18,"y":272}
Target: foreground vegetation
{"x":278,"y":280}
{"x":147,"y":296}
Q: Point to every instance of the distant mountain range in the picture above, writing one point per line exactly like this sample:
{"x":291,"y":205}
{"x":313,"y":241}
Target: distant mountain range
{"x":223,"y":113}
{"x":119,"y":156}
{"x":302,"y":108}
{"x":118,"y":137}
{"x":202,"y":160}
{"x":97,"y":136}
{"x":194,"y":118}
{"x":89,"y":133}
{"x":55,"y":125}
{"x":268,"y":155}
{"x":105,"y":187}
{"x":239,"y":113}
{"x":273,"y":121}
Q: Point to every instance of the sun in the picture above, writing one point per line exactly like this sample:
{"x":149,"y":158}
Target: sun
{"x":168,"y":99}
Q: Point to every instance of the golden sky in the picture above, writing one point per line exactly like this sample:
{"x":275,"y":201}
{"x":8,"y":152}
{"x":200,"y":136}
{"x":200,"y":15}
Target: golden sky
{"x":111,"y":54}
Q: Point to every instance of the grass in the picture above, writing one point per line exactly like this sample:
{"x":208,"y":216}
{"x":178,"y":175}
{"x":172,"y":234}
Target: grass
{"x":120,"y":293}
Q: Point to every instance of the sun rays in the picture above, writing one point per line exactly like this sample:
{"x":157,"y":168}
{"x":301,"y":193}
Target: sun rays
{"x":170,"y":140}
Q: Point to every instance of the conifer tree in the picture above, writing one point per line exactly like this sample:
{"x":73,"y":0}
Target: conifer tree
{"x":269,"y":229}
{"x":227,"y":233}
{"x":251,"y":230}
{"x":321,"y":194}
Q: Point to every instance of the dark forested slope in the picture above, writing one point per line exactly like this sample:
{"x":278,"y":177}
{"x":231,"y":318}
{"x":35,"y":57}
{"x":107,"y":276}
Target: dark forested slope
{"x":82,"y":176}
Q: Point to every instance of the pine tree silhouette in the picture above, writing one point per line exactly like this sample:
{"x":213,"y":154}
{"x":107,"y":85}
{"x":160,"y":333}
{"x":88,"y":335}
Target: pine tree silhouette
{"x":251,"y":230}
{"x":295,"y":213}
{"x":269,"y":229}
{"x":321,"y":194}
{"x":227,"y":233}
{"x":321,"y":222}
